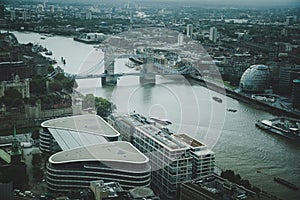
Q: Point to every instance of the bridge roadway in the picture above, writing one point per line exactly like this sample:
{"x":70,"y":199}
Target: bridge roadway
{"x":117,"y":75}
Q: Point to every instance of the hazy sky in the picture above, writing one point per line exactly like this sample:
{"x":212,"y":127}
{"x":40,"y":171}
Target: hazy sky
{"x":233,"y":2}
{"x":237,"y":3}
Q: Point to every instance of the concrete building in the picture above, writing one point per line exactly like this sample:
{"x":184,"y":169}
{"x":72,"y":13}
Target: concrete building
{"x":180,"y":39}
{"x":286,"y":76}
{"x":21,"y":85}
{"x":141,"y":193}
{"x":189,"y":30}
{"x":113,"y":191}
{"x":103,"y":190}
{"x":9,"y":70}
{"x":6,"y":191}
{"x":174,"y":158}
{"x":213,"y":34}
{"x":296,"y":93}
{"x":12,"y":15}
{"x":213,"y":187}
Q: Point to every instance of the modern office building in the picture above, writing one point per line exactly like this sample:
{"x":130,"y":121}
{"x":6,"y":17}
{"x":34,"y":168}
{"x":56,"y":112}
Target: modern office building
{"x":76,"y":131}
{"x":213,"y":34}
{"x":286,"y":76}
{"x":214,"y":187}
{"x":256,"y":79}
{"x":86,"y":149}
{"x":125,"y":124}
{"x":180,"y":39}
{"x":296,"y":94}
{"x":189,"y":30}
{"x":116,"y":161}
{"x":174,"y":158}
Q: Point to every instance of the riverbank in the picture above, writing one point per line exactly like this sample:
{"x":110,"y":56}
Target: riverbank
{"x":243,"y":98}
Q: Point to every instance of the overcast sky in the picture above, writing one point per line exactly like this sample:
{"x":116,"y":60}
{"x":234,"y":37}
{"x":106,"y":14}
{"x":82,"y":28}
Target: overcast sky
{"x":233,"y":2}
{"x":237,"y":3}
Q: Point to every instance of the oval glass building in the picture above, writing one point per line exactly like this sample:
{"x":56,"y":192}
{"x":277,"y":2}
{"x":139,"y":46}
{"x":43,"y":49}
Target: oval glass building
{"x":112,"y":161}
{"x":255,"y":79}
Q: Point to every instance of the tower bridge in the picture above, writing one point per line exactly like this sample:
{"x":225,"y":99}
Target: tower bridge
{"x":147,"y":74}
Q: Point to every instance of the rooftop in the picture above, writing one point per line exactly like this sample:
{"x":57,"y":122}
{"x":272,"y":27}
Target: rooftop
{"x":68,"y":139}
{"x":118,"y":151}
{"x":188,"y":140}
{"x":92,"y":124}
{"x":162,"y":138}
{"x":216,"y":186}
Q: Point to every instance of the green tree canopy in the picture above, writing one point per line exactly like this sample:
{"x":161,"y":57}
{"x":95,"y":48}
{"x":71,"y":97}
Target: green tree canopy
{"x":38,"y":85}
{"x":12,"y":98}
{"x":104,"y":107}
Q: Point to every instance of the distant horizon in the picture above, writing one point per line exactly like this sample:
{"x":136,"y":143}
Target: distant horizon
{"x":204,"y":3}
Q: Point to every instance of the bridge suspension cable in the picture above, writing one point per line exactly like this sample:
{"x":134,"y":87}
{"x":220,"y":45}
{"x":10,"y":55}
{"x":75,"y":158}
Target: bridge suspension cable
{"x":94,"y":69}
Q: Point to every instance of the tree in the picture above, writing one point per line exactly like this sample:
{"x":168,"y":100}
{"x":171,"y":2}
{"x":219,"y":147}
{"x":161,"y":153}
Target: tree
{"x":55,"y":86}
{"x":35,"y":134}
{"x":104,"y":107}
{"x":12,"y":98}
{"x":38,"y":85}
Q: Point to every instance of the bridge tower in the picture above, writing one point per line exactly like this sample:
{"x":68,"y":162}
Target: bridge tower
{"x":109,"y":68}
{"x":148,"y":71}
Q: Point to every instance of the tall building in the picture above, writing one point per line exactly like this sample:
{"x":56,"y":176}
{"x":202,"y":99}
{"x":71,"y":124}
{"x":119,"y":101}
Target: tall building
{"x":6,"y":190}
{"x":180,"y":39}
{"x":213,"y":34}
{"x":286,"y":76}
{"x":2,"y":13}
{"x":296,"y":94}
{"x":189,"y":30}
{"x":12,"y":15}
{"x":174,"y":158}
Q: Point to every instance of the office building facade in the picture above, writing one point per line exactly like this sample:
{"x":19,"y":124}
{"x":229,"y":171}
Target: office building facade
{"x":213,"y":34}
{"x":115,"y":161}
{"x":174,"y":158}
{"x":189,"y":30}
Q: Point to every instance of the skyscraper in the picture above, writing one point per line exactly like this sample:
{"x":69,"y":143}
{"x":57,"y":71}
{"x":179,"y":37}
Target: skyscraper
{"x":189,"y":30}
{"x":180,"y":39}
{"x":213,"y":34}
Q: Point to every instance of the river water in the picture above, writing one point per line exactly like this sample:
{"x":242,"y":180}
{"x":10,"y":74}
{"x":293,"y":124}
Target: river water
{"x":238,"y":144}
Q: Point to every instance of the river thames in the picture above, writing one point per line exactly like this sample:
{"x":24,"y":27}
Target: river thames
{"x":233,"y":136}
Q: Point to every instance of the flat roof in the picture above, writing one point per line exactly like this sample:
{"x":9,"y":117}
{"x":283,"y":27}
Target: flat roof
{"x":162,"y":138}
{"x":118,"y":151}
{"x":68,"y":139}
{"x":188,"y":140}
{"x":132,"y":119}
{"x":88,"y":123}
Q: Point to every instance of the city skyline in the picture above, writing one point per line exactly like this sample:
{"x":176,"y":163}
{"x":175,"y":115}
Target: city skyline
{"x":205,"y":3}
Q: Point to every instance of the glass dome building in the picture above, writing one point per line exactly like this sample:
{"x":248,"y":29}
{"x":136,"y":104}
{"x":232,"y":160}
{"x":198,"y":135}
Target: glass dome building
{"x":255,"y":79}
